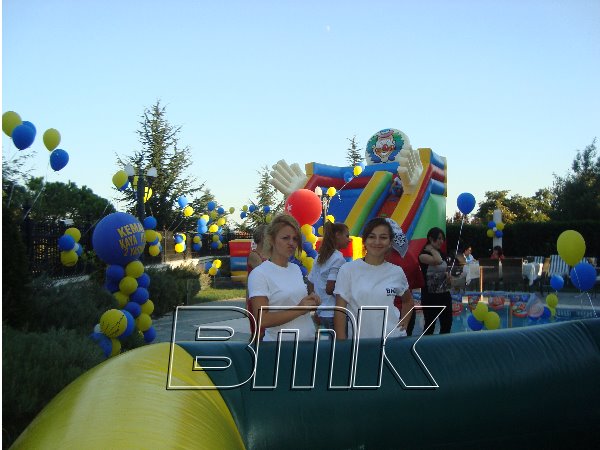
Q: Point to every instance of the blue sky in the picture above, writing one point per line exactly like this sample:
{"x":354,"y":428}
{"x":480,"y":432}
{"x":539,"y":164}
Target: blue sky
{"x":505,"y":90}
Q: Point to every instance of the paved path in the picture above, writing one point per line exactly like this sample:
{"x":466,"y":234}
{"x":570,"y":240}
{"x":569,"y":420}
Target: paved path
{"x":214,"y":314}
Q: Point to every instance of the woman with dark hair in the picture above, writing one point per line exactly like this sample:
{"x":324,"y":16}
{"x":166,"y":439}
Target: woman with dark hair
{"x":497,"y":253}
{"x":436,"y":291}
{"x":278,"y":282}
{"x":373,"y":282}
{"x":323,"y":275}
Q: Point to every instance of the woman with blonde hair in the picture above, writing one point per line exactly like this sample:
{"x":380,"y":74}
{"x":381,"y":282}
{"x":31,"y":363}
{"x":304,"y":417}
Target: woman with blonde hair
{"x":278,"y":282}
{"x":373,"y":282}
{"x":323,"y":275}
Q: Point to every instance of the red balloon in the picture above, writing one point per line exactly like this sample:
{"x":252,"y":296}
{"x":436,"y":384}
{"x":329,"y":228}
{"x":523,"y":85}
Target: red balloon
{"x":304,"y":206}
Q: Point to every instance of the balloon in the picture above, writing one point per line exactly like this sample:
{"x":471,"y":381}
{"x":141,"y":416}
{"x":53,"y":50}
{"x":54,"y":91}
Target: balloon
{"x":500,"y":226}
{"x":347,"y":177}
{"x":480,"y":311}
{"x":143,"y":280}
{"x":154,"y":250}
{"x":147,"y":307}
{"x":211,"y":205}
{"x":331,"y":191}
{"x":51,"y":139}
{"x":557,"y":282}
{"x":490,"y":233}
{"x":104,"y":343}
{"x":217,"y":263}
{"x":149,"y":334}
{"x":231,"y":210}
{"x":120,"y":180}
{"x":130,"y":323}
{"x":179,"y":247}
{"x":329,"y":218}
{"x":121,"y":298}
{"x":66,"y":243}
{"x":58,"y":159}
{"x":212,"y":271}
{"x":119,"y":239}
{"x":178,"y":238}
{"x":571,"y":247}
{"x":188,"y":211}
{"x":115,"y":273}
{"x":357,"y":170}
{"x":10,"y":120}
{"x":182,"y":201}
{"x":304,"y":205}
{"x":551,"y":300}
{"x":196,"y":239}
{"x":583,"y":276}
{"x":492,"y":320}
{"x":128,"y":285}
{"x":491,"y":224}
{"x":266,"y":209}
{"x":140,"y":296}
{"x":134,"y":308}
{"x":69,"y":259}
{"x":150,"y":223}
{"x":113,"y":323}
{"x":221,"y":210}
{"x":245,"y":208}
{"x":498,"y":233}
{"x":465,"y":202}
{"x":307,"y":230}
{"x":213,"y":228}
{"x":473,"y":323}
{"x":23,"y":136}
{"x":143,"y":322}
{"x":134,"y":269}
{"x":243,"y":215}
{"x":151,"y":237}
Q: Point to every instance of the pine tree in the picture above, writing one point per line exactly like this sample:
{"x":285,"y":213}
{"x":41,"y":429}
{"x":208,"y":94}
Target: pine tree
{"x":354,"y":155}
{"x":160,"y":148}
{"x":266,"y":195}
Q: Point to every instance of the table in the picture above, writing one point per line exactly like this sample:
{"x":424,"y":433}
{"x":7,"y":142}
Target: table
{"x":532,"y":271}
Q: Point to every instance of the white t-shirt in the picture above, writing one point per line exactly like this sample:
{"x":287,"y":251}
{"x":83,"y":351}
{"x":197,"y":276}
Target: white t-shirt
{"x":320,"y":274}
{"x":362,"y":284}
{"x":283,"y":286}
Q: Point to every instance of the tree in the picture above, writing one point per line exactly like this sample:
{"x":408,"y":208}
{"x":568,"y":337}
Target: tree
{"x":353,"y":155}
{"x":266,"y":195}
{"x":56,"y":200}
{"x":160,"y":149}
{"x":578,"y":192}
{"x":516,"y":208}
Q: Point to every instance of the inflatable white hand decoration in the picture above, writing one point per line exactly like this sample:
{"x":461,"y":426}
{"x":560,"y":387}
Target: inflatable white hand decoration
{"x":287,"y":179}
{"x":410,"y":169}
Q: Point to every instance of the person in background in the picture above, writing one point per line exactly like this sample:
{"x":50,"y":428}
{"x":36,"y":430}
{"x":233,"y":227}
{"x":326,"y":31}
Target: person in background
{"x":278,"y":282}
{"x":256,"y":257}
{"x":323,"y":275}
{"x":468,"y":255}
{"x":373,"y":281}
{"x":497,"y":253}
{"x":436,"y":291}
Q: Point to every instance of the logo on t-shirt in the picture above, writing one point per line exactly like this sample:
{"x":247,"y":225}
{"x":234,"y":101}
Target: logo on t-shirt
{"x":391,"y":292}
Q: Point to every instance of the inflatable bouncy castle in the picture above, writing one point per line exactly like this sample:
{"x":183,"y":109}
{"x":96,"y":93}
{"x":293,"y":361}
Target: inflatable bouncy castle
{"x":406,"y":185}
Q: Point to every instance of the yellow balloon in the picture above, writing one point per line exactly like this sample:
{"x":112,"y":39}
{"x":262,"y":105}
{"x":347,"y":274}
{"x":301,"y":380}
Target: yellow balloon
{"x":221,"y":221}
{"x":500,"y":226}
{"x":308,"y":263}
{"x":215,"y":238}
{"x":231,"y":210}
{"x":119,"y":179}
{"x":220,"y":246}
{"x":148,"y":307}
{"x":116,"y":347}
{"x":69,"y":259}
{"x":150,"y":235}
{"x":213,"y":228}
{"x":480,"y":311}
{"x":306,"y":229}
{"x":134,"y":269}
{"x":128,"y":285}
{"x":331,"y":191}
{"x":212,"y":271}
{"x":213,"y":214}
{"x":217,"y":263}
{"x":357,"y":170}
{"x":552,"y":311}
{"x":183,"y":236}
{"x":74,"y":233}
{"x":143,"y":322}
{"x":196,"y":240}
{"x":268,"y":218}
{"x":179,"y":247}
{"x":491,"y":320}
{"x":52,"y":139}
{"x":188,"y":211}
{"x":159,"y":236}
{"x":10,"y":120}
{"x":330,"y":218}
{"x":154,"y":250}
{"x":245,"y":208}
{"x":551,"y":300}
{"x":311,"y":238}
{"x":302,"y":255}
{"x":205,"y":217}
{"x":320,"y":231}
{"x":122,"y":299}
{"x":571,"y":247}
{"x":490,"y":233}
{"x":113,"y":323}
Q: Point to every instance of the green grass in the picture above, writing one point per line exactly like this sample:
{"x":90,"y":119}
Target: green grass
{"x":211,"y":294}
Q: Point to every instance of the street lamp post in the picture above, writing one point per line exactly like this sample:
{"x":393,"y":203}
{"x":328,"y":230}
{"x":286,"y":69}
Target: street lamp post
{"x":140,"y":190}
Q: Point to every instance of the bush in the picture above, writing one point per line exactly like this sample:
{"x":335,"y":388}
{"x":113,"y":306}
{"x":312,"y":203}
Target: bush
{"x":36,"y":367}
{"x":75,"y":305}
{"x":170,"y":287}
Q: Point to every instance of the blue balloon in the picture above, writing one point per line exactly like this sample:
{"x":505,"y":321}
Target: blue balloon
{"x":78,"y":249}
{"x":243,"y":215}
{"x":150,"y":223}
{"x":251,"y":208}
{"x":348,"y":177}
{"x":111,"y":286}
{"x":498,"y":233}
{"x":211,"y":205}
{"x":115,"y":273}
{"x":178,"y":239}
{"x":266,"y":209}
{"x":214,"y":245}
{"x":104,"y":342}
{"x":140,"y":295}
{"x":58,"y":159}
{"x":304,"y":271}
{"x":307,"y":247}
{"x":557,"y":282}
{"x":546,"y":314}
{"x":202,"y":222}
{"x":491,"y":224}
{"x":473,"y":323}
{"x":208,"y":265}
{"x":66,"y":243}
{"x":196,"y":247}
{"x":134,"y":308}
{"x":362,"y":165}
{"x":23,"y":136}
{"x":182,"y":201}
{"x":119,"y":239}
{"x":312,"y":253}
{"x":150,"y":334}
{"x":220,"y":210}
{"x":130,"y":323}
{"x":203,"y":229}
{"x":465,"y":202}
{"x":583,"y":276}
{"x":143,"y":280}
